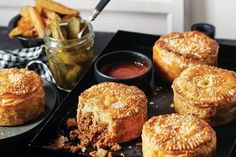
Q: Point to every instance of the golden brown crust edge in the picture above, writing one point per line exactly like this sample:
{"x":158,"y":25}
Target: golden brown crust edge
{"x":170,"y":62}
{"x":216,"y":102}
{"x":22,"y":110}
{"x":22,"y":96}
{"x":125,"y":124}
{"x":215,"y":116}
{"x":155,"y":144}
{"x":18,"y":82}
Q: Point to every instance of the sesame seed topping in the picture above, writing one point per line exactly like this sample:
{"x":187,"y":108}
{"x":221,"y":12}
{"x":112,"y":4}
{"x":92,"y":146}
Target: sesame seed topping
{"x":177,"y":132}
{"x":117,"y":99}
{"x":206,"y":85}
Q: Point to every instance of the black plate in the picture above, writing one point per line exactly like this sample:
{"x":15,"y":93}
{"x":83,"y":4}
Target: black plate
{"x":12,"y":133}
{"x":159,"y":95}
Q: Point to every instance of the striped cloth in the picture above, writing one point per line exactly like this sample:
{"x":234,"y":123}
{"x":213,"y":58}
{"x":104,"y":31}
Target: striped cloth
{"x":31,"y":58}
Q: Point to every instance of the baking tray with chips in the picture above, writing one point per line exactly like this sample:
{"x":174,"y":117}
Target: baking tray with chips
{"x":159,"y":96}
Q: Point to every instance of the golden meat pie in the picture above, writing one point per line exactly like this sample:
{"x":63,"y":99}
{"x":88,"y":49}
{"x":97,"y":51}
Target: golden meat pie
{"x":22,"y":96}
{"x":208,"y":92}
{"x":175,"y":135}
{"x":174,"y":52}
{"x":110,"y":113}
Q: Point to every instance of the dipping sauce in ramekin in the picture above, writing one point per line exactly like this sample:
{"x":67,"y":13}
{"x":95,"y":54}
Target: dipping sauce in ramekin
{"x":125,"y":69}
{"x":129,"y":67}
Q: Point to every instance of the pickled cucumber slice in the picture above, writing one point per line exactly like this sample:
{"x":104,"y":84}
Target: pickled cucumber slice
{"x":73,"y":74}
{"x":56,"y":29}
{"x":73,"y":28}
{"x":66,"y":58}
{"x":64,"y":31}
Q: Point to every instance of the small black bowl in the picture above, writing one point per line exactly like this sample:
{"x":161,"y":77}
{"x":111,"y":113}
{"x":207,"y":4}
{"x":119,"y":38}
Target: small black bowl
{"x":206,"y":28}
{"x":25,"y":42}
{"x":112,"y":59}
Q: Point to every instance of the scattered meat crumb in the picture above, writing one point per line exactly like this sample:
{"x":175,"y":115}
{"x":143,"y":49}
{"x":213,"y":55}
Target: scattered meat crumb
{"x":172,"y":105}
{"x":110,"y":154}
{"x":58,"y":143}
{"x":73,"y":134}
{"x":93,"y":153}
{"x":116,"y":147}
{"x":75,"y":149}
{"x":71,"y":122}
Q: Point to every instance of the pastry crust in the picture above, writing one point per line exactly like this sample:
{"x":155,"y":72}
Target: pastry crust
{"x":208,"y":92}
{"x":175,"y":52}
{"x":22,"y":96}
{"x":176,"y":135}
{"x":120,"y":110}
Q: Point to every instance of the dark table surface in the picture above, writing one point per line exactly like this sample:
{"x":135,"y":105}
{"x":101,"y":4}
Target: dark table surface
{"x":19,"y":148}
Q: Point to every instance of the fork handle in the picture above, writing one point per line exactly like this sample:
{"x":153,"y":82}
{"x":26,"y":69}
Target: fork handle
{"x":100,"y":6}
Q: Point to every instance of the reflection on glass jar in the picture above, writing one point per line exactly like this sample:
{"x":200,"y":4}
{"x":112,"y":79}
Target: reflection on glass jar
{"x":70,"y":59}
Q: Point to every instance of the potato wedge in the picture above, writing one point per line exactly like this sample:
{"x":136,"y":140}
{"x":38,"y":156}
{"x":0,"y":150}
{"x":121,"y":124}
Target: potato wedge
{"x":38,"y":7}
{"x":37,"y":21}
{"x":47,"y":21}
{"x":56,"y":7}
{"x":23,"y":26}
{"x":25,"y":23}
{"x":48,"y":13}
{"x":30,"y":33}
{"x":24,"y":11}
{"x":16,"y":31}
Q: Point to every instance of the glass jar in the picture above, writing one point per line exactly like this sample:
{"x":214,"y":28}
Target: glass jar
{"x":69,"y":60}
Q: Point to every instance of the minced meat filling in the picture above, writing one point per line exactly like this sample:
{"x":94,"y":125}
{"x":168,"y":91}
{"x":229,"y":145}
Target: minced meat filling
{"x":94,"y":134}
{"x":88,"y":133}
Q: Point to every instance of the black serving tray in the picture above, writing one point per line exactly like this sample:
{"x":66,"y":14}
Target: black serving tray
{"x":159,"y":95}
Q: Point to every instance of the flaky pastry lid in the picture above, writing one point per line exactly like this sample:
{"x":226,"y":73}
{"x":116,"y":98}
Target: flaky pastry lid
{"x":115,"y":99}
{"x":206,"y":85}
{"x":190,"y":45}
{"x":175,"y":132}
{"x":18,"y":82}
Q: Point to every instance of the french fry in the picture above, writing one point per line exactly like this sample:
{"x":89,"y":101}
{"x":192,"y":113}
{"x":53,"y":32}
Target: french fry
{"x":24,"y":11}
{"x":47,"y":21}
{"x":25,"y":23}
{"x":38,"y":7}
{"x":34,"y":19}
{"x":16,"y":31}
{"x":48,"y":13}
{"x":56,"y":7}
{"x":30,"y":33}
{"x":23,"y":26}
{"x":37,"y":21}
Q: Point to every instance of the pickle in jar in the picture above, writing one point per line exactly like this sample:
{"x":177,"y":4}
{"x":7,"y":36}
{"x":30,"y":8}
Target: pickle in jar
{"x":69,"y":57}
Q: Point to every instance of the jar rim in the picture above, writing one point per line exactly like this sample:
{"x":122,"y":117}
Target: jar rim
{"x":90,"y":34}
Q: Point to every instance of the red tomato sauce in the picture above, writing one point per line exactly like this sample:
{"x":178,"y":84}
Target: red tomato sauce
{"x":126,"y":70}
